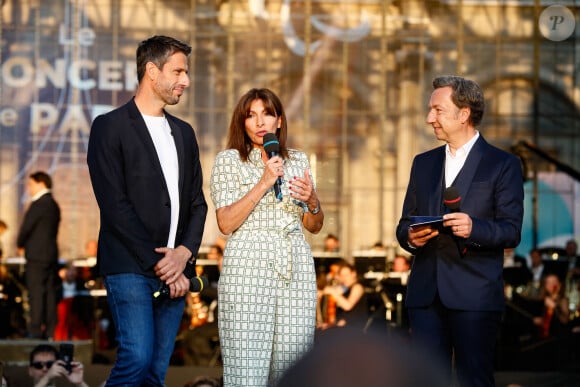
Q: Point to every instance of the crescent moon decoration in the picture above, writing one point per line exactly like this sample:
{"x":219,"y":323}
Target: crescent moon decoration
{"x":297,"y":45}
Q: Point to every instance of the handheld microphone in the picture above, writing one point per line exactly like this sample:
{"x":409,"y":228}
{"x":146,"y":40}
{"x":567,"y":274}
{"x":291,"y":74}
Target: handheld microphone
{"x":272,"y":148}
{"x":451,"y":199}
{"x":196,"y":285}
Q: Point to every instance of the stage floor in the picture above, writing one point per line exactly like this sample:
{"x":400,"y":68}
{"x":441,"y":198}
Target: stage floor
{"x":177,"y":376}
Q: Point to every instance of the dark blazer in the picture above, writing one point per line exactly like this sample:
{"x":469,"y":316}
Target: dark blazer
{"x":491,"y":188}
{"x":39,"y":229}
{"x":133,"y":198}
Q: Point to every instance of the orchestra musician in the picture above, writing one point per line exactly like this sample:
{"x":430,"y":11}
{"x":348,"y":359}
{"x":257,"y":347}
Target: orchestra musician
{"x":556,"y":311}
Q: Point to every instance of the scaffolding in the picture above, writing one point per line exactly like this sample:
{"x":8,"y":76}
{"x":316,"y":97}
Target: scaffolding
{"x":354,"y":76}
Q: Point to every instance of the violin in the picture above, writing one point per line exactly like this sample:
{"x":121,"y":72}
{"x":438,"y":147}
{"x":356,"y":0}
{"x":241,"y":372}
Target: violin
{"x":545,"y":329}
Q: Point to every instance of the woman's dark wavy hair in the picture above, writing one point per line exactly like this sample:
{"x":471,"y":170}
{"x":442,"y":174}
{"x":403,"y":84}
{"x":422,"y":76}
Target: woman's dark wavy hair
{"x":237,"y":137}
{"x":465,"y":93}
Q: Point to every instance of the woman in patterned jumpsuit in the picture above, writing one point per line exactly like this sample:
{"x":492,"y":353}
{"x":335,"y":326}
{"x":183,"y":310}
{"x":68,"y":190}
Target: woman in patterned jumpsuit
{"x":267,"y":287}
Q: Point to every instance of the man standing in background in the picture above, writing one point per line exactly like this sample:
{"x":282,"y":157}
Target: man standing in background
{"x":38,"y":238}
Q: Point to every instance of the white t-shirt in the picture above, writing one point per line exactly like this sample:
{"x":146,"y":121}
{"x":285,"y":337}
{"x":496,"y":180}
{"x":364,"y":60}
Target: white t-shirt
{"x":167,"y":153}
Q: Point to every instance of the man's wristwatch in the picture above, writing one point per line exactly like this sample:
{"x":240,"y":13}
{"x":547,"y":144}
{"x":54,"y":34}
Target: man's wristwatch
{"x":316,"y":210}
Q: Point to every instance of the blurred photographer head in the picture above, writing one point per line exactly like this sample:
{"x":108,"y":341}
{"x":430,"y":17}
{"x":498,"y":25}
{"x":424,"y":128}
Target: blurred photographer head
{"x":42,"y":358}
{"x":45,"y":366}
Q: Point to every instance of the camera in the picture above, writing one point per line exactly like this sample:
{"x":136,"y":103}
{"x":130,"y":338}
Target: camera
{"x":66,"y":353}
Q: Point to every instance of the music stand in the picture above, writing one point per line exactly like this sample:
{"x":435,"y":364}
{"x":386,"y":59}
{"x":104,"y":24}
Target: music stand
{"x":323,"y":260}
{"x":210,"y":269}
{"x":395,"y":291}
{"x":560,"y":268}
{"x":516,"y":275}
{"x":369,"y":261}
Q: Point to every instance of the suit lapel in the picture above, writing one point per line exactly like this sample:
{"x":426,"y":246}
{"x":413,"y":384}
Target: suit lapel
{"x":179,"y":146}
{"x":142,"y":134}
{"x":436,"y":177}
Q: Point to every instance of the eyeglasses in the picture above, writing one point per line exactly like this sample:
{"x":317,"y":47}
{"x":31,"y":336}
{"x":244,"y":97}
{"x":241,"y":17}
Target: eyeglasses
{"x":41,"y":364}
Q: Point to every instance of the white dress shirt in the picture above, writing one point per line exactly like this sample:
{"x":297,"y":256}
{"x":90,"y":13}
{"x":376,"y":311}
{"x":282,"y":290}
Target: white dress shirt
{"x":454,"y":163}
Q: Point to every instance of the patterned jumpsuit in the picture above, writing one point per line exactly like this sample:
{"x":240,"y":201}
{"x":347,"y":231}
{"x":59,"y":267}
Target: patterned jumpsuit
{"x":267,"y":286}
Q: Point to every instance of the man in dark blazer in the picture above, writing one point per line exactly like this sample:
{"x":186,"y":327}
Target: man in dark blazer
{"x":455,"y":292}
{"x":147,"y":179}
{"x":38,"y":238}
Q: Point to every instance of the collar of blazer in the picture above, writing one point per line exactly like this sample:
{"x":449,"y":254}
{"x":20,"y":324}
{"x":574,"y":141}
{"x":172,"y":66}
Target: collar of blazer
{"x":138,"y":124}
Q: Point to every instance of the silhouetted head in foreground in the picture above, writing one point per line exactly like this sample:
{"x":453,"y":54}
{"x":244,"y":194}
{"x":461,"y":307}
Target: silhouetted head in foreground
{"x":347,"y":358}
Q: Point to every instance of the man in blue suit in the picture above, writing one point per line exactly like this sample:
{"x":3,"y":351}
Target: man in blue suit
{"x":146,"y":175}
{"x":455,"y":292}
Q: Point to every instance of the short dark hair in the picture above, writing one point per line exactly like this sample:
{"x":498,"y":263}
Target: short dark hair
{"x":157,"y":49}
{"x":42,"y":177}
{"x":343,"y":264}
{"x":465,"y":93}
{"x":383,"y":359}
{"x":331,"y":236}
{"x":204,"y":381}
{"x":42,"y":348}
{"x":219,"y":249}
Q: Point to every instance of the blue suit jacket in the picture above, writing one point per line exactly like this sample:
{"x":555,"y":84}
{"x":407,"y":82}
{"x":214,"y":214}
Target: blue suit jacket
{"x":133,"y":198}
{"x":491,"y":188}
